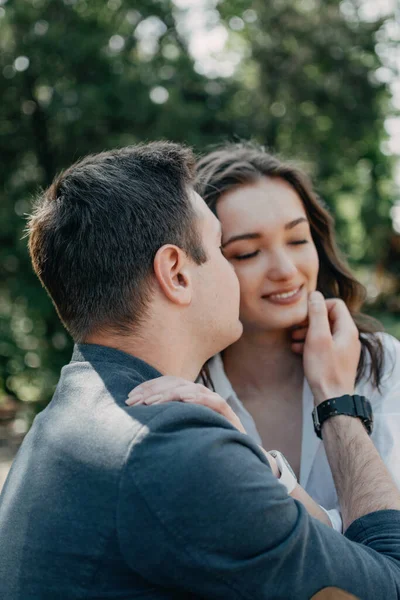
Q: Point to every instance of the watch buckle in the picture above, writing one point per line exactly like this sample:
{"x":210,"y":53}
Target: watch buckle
{"x":315,"y":417}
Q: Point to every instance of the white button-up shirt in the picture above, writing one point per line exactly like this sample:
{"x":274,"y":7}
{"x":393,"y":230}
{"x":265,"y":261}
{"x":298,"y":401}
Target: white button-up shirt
{"x":315,"y":473}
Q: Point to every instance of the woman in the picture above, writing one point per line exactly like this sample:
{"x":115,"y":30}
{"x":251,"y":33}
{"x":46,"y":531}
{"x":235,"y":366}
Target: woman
{"x":280,"y":240}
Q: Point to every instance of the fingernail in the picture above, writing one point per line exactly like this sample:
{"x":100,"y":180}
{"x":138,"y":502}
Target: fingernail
{"x":134,"y":399}
{"x":190,"y":396}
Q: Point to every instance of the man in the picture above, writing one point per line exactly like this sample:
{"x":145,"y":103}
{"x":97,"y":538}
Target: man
{"x":171,"y":501}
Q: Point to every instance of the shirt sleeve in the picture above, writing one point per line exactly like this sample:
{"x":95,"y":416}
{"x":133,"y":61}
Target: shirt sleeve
{"x":335,"y":518}
{"x":200,"y":512}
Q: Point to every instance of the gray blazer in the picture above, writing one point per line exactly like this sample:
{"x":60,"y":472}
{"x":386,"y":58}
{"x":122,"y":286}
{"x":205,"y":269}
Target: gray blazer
{"x":106,"y":501}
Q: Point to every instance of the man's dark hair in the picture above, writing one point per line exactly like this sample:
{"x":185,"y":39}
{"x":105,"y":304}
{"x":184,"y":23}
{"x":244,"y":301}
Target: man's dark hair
{"x":94,"y":233}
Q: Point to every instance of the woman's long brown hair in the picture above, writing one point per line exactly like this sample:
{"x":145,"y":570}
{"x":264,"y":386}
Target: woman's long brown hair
{"x":233,"y":165}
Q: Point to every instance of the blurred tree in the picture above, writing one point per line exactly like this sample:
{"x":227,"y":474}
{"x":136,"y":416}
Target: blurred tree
{"x":310,"y":90}
{"x":76,"y":77}
{"x":79,"y":76}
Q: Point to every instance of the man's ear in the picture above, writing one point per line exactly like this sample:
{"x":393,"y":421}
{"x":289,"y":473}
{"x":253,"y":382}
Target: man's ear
{"x":172,"y":272}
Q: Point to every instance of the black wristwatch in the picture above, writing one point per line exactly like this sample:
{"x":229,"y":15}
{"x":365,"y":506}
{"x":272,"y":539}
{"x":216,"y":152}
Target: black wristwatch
{"x":352,"y":406}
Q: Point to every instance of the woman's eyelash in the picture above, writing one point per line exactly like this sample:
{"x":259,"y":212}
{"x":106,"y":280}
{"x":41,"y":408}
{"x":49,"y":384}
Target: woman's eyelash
{"x":251,"y":254}
{"x":244,"y":256}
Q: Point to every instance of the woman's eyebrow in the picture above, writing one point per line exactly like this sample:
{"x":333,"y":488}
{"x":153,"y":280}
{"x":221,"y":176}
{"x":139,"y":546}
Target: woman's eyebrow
{"x":242,"y":236}
{"x":295,"y":222}
{"x":257,"y":236}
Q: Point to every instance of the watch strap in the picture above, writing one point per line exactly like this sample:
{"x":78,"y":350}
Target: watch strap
{"x":352,"y":406}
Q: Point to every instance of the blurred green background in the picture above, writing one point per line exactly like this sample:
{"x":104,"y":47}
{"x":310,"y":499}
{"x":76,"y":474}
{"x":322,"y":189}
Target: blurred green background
{"x":315,"y":80}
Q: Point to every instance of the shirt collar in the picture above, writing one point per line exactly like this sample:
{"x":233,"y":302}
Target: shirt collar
{"x":219,"y":379}
{"x":94,"y":353}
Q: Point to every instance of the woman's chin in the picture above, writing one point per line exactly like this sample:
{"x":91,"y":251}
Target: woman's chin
{"x":289,"y":318}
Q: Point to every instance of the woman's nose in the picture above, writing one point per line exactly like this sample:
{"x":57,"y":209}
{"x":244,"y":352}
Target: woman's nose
{"x":281,"y":267}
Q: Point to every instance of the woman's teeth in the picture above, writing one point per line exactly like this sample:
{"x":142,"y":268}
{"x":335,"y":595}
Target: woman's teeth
{"x":284,"y":294}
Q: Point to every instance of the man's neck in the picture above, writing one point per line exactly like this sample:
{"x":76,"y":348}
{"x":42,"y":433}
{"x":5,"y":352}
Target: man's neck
{"x":163,"y":351}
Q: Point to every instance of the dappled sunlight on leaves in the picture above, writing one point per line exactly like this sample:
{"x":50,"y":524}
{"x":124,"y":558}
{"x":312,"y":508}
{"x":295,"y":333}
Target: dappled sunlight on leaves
{"x":306,"y":78}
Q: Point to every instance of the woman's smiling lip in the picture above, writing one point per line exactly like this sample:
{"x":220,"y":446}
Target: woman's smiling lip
{"x":285,"y":296}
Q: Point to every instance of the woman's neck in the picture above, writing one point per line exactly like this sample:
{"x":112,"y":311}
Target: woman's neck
{"x":260,"y":360}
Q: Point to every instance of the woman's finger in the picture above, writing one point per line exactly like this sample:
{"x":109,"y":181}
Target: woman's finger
{"x":155,"y":386}
{"x":299,"y":334}
{"x":163,"y":394}
{"x":175,"y":395}
{"x":175,"y":389}
{"x":298,"y":347}
{"x":161,"y":385}
{"x":154,"y":382}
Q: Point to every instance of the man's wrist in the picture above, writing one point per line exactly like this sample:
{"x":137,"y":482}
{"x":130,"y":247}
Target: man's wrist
{"x":343,"y":423}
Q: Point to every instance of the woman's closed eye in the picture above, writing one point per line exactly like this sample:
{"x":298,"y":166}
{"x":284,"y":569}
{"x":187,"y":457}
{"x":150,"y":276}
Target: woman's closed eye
{"x":298,"y":242}
{"x":244,"y":256}
{"x":249,"y":255}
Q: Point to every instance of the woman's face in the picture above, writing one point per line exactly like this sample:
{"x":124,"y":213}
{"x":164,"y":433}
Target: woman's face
{"x":266,"y":237}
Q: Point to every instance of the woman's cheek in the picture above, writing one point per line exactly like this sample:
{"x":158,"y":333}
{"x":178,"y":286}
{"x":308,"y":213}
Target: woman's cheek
{"x":312,"y":261}
{"x":247,"y":281}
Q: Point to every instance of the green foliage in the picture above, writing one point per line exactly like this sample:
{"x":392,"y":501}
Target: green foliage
{"x":314,"y":96}
{"x":87,"y":88}
{"x":78,"y":76}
